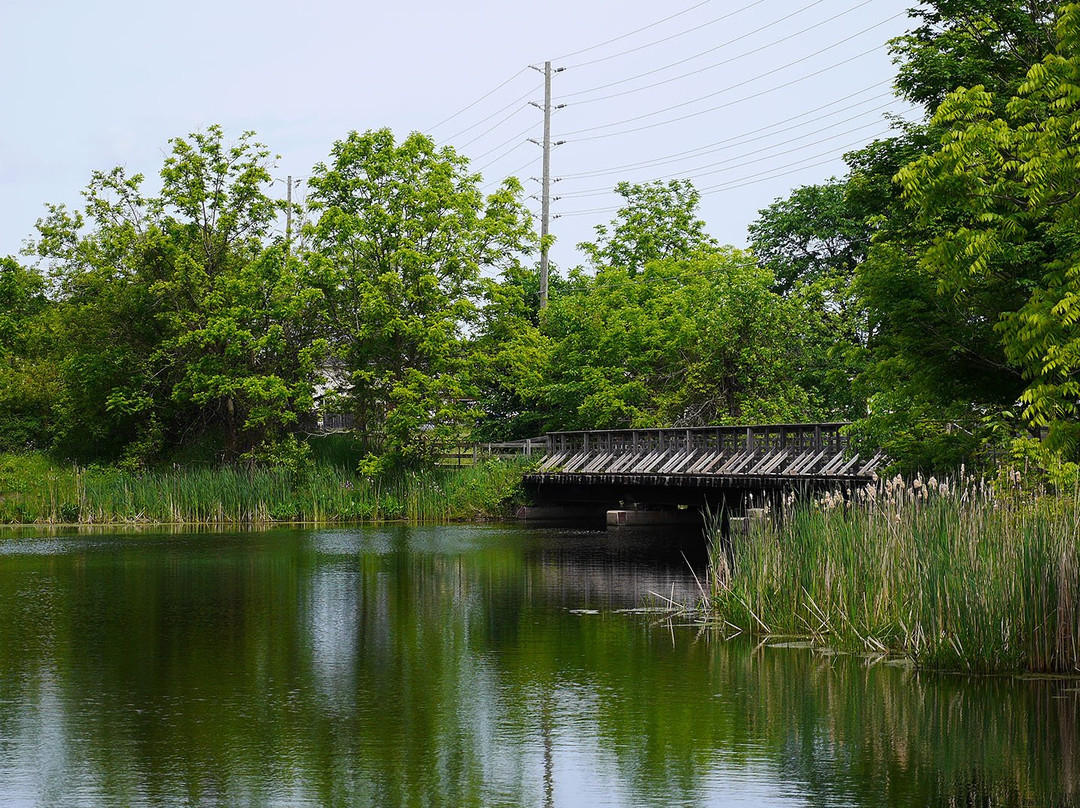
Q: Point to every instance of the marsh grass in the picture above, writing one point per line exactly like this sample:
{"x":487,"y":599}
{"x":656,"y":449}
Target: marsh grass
{"x":33,"y":490}
{"x":959,"y":577}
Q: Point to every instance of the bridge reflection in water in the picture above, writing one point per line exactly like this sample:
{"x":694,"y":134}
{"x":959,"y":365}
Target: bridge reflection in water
{"x":716,"y":465}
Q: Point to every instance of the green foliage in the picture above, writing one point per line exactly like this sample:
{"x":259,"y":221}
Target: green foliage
{"x":401,"y":237}
{"x":1032,"y":466}
{"x":27,"y":378}
{"x":510,"y":356}
{"x":963,"y":43}
{"x":287,"y":487}
{"x":175,"y":316}
{"x":680,"y":342}
{"x":670,"y":329}
{"x":918,"y":362}
{"x":657,"y":220}
{"x":938,"y":364}
{"x":1007,"y":184}
{"x":954,"y":575}
{"x":813,"y":241}
{"x":814,"y":234}
{"x":178,"y":326}
{"x":22,"y":297}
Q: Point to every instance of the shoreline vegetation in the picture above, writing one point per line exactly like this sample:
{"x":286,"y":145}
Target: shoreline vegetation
{"x":965,"y":576}
{"x":35,"y":490}
{"x":955,"y":576}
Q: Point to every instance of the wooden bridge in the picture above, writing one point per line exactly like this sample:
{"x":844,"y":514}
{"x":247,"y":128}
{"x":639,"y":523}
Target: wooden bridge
{"x":687,"y":466}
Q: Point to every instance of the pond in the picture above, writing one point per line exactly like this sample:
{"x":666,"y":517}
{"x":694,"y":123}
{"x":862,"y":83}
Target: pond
{"x":467,"y":666}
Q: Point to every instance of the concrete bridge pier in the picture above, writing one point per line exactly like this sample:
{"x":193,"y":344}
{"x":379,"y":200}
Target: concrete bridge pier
{"x":655,"y":517}
{"x":563,"y":512}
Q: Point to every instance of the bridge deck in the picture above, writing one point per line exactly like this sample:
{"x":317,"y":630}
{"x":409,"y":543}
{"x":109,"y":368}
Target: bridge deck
{"x":705,"y":457}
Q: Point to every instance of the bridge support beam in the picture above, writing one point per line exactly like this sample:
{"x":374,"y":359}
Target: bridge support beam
{"x":563,"y":513}
{"x":654,"y":517}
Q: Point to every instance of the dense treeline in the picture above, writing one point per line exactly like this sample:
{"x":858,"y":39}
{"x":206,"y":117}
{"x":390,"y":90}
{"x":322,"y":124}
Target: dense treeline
{"x":930,"y":294}
{"x":185,"y":326}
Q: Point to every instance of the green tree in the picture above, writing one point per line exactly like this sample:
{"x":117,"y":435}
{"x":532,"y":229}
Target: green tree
{"x":933,"y":368}
{"x":657,"y":220}
{"x":511,"y":355}
{"x":813,"y":241}
{"x":681,"y":342}
{"x":27,"y":377}
{"x":815,"y":234}
{"x":401,"y":237}
{"x":963,"y":43}
{"x":180,"y":320}
{"x":1009,"y":184}
{"x":22,"y":297}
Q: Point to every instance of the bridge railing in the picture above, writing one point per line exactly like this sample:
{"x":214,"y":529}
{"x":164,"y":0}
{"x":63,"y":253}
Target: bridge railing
{"x":796,"y":437}
{"x":773,"y":450}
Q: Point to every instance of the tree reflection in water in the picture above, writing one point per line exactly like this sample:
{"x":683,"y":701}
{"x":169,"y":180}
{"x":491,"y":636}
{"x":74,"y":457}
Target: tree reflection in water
{"x":464,"y":666}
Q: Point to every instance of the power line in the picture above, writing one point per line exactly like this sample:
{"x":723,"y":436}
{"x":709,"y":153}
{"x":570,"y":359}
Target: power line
{"x":506,"y":153}
{"x":484,"y":97}
{"x":509,"y":174}
{"x":708,"y":51}
{"x":506,"y":142}
{"x":649,"y":120}
{"x":659,"y":41}
{"x":731,"y":59}
{"x":764,"y":176}
{"x":830,"y":153}
{"x":750,"y":80}
{"x":743,"y":138}
{"x":742,"y":182}
{"x":502,"y":109}
{"x":638,"y":30}
{"x":493,"y":127}
{"x":756,"y":95}
{"x":741,"y":158}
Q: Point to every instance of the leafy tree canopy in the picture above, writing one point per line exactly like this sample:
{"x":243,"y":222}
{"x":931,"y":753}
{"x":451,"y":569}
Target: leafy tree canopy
{"x":179,"y":318}
{"x":657,"y":220}
{"x":400,"y":240}
{"x":682,"y":342}
{"x":1009,"y":186}
{"x":812,"y":234}
{"x":22,"y":297}
{"x":963,"y":43}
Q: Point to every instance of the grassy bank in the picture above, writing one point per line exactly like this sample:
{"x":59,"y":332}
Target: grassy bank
{"x":955,"y":577}
{"x":36,"y":490}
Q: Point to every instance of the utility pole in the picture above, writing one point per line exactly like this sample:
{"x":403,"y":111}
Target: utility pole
{"x":288,"y":216}
{"x":545,"y":199}
{"x":545,"y":194}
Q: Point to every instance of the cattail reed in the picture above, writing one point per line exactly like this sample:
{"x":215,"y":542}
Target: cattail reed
{"x":957,"y":575}
{"x":35,"y":490}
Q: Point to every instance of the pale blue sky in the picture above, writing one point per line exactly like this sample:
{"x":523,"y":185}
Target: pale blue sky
{"x":771,"y":92}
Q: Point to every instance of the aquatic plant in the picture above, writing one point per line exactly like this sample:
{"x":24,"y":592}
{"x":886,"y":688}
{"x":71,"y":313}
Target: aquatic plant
{"x":956,"y":574}
{"x":36,"y":490}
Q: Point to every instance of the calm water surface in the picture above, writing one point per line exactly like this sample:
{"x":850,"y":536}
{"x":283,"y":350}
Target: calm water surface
{"x":466,"y":666}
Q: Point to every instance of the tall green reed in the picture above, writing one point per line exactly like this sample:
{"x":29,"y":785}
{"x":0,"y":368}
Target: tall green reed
{"x":956,"y":576}
{"x":34,"y":490}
